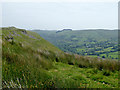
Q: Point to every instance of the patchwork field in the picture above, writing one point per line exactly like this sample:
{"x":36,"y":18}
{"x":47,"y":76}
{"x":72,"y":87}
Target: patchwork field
{"x":100,"y":43}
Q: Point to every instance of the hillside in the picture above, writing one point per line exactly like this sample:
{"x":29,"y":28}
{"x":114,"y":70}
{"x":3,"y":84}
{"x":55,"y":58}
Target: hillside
{"x":29,"y":61}
{"x":97,"y":43}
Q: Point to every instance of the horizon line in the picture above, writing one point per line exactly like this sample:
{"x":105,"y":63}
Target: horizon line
{"x":63,"y":28}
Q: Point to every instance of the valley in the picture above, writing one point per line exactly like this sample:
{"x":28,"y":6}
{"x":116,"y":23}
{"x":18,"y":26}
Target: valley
{"x":96,"y":43}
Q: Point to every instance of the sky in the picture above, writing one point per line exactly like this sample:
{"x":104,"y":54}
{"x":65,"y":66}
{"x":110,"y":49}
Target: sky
{"x":57,"y":15}
{"x":59,"y":0}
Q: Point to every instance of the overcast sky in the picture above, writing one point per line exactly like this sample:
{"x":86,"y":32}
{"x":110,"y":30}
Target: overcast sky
{"x":60,"y":15}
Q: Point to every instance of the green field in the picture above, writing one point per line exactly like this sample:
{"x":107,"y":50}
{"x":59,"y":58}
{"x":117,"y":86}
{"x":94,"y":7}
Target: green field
{"x":101,"y":43}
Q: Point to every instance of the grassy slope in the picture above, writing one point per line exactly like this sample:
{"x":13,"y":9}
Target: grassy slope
{"x":72,"y":76}
{"x":30,"y":61}
{"x":24,"y":56}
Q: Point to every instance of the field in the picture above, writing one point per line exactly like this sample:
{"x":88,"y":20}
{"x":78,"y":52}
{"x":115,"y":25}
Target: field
{"x":99,"y":43}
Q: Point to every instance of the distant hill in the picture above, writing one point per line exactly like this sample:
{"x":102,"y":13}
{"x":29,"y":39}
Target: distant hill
{"x":99,"y":43}
{"x":29,"y":61}
{"x":63,"y":30}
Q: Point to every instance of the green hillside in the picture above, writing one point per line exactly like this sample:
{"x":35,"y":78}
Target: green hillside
{"x":29,"y":61}
{"x":97,"y":43}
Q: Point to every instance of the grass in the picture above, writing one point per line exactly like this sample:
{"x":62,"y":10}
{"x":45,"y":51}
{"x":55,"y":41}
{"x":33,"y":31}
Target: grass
{"x":67,"y":76}
{"x":29,"y":61}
